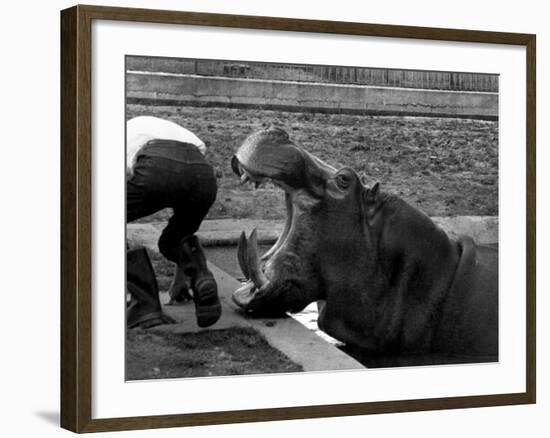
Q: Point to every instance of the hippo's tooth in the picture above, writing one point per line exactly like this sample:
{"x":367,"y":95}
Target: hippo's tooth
{"x":241,"y":255}
{"x":244,"y":294}
{"x":253,"y":261}
{"x":244,"y":178}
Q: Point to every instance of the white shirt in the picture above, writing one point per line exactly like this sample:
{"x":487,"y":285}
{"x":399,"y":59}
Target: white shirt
{"x":142,"y":129}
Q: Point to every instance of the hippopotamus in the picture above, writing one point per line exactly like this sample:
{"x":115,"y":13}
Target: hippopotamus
{"x":388,"y":281}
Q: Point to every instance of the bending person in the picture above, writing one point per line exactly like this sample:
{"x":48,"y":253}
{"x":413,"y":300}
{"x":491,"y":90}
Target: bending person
{"x":168,"y":169}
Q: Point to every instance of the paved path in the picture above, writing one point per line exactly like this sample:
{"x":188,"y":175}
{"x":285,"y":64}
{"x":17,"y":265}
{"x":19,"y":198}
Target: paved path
{"x":287,"y":335}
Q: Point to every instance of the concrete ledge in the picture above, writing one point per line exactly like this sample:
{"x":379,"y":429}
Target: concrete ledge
{"x":325,"y":97}
{"x":221,"y":232}
{"x":482,"y":229}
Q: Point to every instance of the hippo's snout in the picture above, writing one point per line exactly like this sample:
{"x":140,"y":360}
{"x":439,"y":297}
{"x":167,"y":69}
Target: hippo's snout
{"x":279,"y":281}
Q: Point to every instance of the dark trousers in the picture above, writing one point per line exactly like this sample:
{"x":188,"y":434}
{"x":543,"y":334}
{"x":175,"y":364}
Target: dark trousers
{"x":168,"y":174}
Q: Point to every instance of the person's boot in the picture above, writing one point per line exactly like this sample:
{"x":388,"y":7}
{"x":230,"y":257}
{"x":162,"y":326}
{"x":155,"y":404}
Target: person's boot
{"x":205,"y":290}
{"x":179,"y":292}
{"x":144,"y":308}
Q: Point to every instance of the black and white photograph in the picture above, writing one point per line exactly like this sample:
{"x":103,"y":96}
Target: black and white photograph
{"x":276,"y":219}
{"x":289,"y":218}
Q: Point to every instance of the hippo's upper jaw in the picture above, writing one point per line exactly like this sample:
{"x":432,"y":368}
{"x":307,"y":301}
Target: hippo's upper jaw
{"x":271,"y":155}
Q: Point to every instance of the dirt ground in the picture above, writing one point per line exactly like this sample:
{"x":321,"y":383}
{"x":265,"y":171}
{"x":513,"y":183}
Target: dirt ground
{"x":442,"y":166}
{"x":154,"y":354}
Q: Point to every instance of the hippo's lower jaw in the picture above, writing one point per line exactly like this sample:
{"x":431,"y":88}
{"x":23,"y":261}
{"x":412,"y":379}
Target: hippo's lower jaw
{"x":261,"y":294}
{"x":253,"y":294}
{"x":264,"y":301}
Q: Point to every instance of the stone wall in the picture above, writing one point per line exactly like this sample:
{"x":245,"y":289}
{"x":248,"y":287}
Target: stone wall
{"x":178,"y":89}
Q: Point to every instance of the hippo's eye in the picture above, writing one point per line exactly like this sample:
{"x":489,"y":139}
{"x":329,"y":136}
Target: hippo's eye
{"x":343,"y":180}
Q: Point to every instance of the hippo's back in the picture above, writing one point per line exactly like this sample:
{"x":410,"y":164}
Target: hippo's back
{"x":469,"y":319}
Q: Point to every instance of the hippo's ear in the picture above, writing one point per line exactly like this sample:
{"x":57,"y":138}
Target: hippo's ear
{"x":371,"y":195}
{"x":371,"y":202}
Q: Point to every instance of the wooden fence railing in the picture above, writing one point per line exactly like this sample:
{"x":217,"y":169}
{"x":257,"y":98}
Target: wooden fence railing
{"x":434,"y":80}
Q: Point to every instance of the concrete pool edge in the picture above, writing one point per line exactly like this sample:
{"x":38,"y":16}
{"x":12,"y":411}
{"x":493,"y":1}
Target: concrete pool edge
{"x":225,"y":232}
{"x":294,"y":340}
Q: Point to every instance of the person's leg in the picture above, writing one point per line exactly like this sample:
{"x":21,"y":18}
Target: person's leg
{"x":205,"y":289}
{"x":193,"y":192}
{"x":144,"y":309}
{"x":142,"y":190}
{"x":179,"y":244}
{"x":179,"y":290}
{"x":169,"y":246}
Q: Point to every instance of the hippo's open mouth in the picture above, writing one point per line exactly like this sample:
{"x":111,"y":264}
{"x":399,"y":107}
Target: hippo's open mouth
{"x":278,"y":281}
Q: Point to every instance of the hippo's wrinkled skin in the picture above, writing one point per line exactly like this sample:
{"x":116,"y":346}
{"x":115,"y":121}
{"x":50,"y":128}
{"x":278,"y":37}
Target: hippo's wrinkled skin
{"x":389,"y":281}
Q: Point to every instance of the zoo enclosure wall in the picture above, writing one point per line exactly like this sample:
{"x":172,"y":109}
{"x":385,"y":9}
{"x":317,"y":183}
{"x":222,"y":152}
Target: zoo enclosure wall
{"x":175,"y":81}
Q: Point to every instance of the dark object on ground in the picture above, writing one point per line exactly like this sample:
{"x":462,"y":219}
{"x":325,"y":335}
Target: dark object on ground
{"x":155,"y":354}
{"x":144,"y":308}
{"x":390,"y":281}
